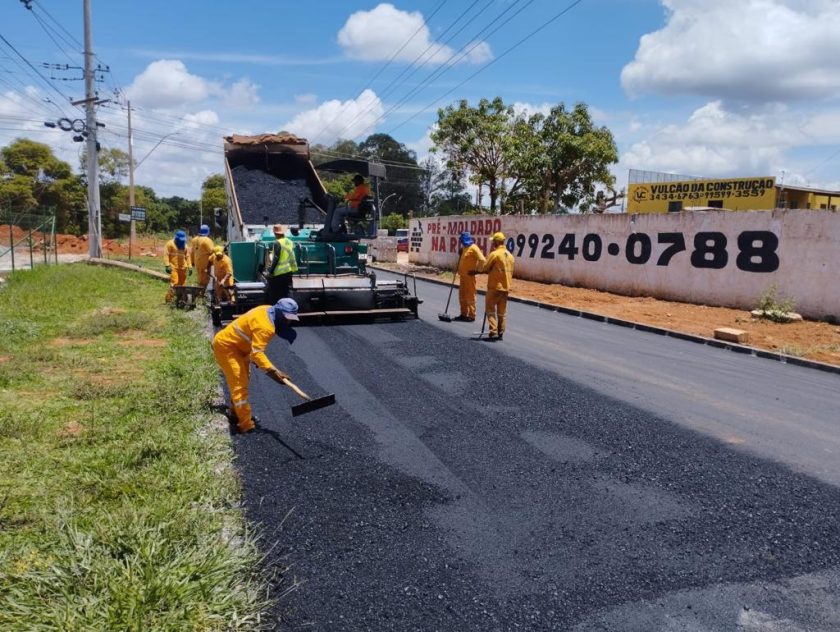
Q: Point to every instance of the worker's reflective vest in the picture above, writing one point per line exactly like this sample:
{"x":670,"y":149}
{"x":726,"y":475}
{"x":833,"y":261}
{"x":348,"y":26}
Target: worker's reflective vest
{"x":284,"y":257}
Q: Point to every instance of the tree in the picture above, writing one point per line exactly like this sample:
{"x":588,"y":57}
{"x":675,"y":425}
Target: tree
{"x":113,"y":164}
{"x":473,"y":141}
{"x":214,"y":196}
{"x":32,"y":177}
{"x":537,"y":162}
{"x":393,"y":221}
{"x":578,"y":155}
{"x":404,"y":181}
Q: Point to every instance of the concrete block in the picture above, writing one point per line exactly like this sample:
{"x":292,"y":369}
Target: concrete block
{"x":730,"y":334}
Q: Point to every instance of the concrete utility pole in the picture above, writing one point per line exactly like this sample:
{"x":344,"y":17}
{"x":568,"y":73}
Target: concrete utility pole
{"x":94,"y":219}
{"x":132,"y":234}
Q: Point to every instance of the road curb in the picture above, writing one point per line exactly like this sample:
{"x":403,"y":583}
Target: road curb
{"x":711,"y":342}
{"x":128,"y":266}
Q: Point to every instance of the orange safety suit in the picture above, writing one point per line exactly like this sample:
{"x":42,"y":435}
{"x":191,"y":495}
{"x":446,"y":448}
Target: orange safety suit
{"x":499,"y":267}
{"x":223,"y":274}
{"x":243,"y":341}
{"x":357,"y":195}
{"x":471,"y":260}
{"x":202,"y":248}
{"x":178,"y":261}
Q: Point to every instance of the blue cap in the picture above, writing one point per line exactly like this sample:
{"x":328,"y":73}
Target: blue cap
{"x":204,"y":230}
{"x":180,"y":238}
{"x":288,"y":307}
{"x":466,"y":239}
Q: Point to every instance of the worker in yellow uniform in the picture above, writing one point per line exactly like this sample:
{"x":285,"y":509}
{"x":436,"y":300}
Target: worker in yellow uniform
{"x":244,"y":341}
{"x":202,"y":248}
{"x":176,"y":259}
{"x":283,"y":265}
{"x":222,"y":274}
{"x":471,"y":259}
{"x":499,"y":268}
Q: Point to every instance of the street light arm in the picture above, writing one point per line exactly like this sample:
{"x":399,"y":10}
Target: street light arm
{"x":137,"y":166}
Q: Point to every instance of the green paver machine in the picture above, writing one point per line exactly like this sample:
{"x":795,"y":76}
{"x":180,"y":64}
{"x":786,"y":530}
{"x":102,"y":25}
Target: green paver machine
{"x":270,"y":179}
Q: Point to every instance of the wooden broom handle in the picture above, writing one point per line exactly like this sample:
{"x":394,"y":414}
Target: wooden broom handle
{"x":292,"y":386}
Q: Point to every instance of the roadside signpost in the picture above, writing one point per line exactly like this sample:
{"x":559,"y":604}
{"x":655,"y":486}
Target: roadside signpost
{"x":138,"y":214}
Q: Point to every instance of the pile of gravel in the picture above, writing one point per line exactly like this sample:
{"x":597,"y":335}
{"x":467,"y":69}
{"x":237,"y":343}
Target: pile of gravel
{"x":262,"y":195}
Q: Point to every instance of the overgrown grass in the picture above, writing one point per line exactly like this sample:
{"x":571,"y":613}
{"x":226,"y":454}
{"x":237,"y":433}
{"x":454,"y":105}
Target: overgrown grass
{"x":118,"y":506}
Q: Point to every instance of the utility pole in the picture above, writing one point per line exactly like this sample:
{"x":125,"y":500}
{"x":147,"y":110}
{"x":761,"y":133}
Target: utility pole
{"x":132,"y":234}
{"x":94,"y":219}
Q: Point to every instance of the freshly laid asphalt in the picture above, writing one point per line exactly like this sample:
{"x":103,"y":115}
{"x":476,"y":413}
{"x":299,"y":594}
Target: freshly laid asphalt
{"x":577,"y":476}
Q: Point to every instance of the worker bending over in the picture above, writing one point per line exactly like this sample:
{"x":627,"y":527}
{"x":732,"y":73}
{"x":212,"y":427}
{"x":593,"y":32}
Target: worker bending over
{"x":499,"y":268}
{"x":244,"y":341}
{"x":176,"y":261}
{"x":222,"y":274}
{"x":470,"y":260}
{"x":283,"y":265}
{"x":202,"y":248}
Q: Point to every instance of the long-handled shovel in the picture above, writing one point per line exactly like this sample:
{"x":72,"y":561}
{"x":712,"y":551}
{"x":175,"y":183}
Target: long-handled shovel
{"x":445,"y":317}
{"x":310,"y":404}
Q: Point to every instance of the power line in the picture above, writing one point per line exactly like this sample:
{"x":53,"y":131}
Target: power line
{"x":545,"y":25}
{"x":46,"y":81}
{"x":451,"y":61}
{"x":387,"y":90}
{"x":379,"y":72}
{"x":46,"y":28}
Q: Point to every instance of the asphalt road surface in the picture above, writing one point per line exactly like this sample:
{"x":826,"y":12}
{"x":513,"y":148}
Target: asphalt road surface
{"x":577,"y":476}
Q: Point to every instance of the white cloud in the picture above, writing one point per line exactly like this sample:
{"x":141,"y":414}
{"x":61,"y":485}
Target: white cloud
{"x":749,"y":50}
{"x":167,"y":83}
{"x":338,"y":119}
{"x":378,"y":34}
{"x":715,"y":141}
{"x":242,"y":94}
{"x":529,"y":109}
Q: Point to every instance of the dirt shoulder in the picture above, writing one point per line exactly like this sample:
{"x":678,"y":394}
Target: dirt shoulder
{"x":807,"y":339}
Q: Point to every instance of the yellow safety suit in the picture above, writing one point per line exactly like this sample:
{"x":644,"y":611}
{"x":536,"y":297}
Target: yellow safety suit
{"x":499,"y":267}
{"x":202,"y":249}
{"x":471,"y":260}
{"x":243,"y":341}
{"x":178,"y":261}
{"x":223,"y":273}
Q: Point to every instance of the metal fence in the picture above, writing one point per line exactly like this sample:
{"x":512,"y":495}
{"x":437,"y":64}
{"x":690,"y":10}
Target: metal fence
{"x":637,"y":176}
{"x":22,"y":235}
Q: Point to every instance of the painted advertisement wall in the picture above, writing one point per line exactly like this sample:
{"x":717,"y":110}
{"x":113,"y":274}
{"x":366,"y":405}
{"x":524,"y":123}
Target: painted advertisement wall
{"x":736,"y":194}
{"x":711,"y":258}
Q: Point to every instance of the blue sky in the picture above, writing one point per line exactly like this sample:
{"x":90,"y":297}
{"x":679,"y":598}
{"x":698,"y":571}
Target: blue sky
{"x":702,"y":87}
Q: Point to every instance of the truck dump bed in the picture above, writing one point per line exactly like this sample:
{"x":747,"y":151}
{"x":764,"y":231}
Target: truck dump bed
{"x":266,"y":177}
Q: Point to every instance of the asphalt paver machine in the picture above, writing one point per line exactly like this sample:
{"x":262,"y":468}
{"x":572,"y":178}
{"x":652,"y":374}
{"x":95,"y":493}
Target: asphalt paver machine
{"x":270,"y":179}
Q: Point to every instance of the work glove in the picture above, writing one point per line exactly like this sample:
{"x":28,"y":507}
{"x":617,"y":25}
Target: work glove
{"x":189,"y":272}
{"x":168,"y":269}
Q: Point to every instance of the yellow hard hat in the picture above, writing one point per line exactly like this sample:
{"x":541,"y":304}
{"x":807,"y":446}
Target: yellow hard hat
{"x":498,"y":238}
{"x":218,"y":250}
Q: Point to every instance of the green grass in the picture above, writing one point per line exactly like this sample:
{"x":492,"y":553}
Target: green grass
{"x":118,"y":505}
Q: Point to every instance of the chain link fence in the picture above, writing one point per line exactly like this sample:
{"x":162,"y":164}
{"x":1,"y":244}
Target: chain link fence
{"x":27,"y":239}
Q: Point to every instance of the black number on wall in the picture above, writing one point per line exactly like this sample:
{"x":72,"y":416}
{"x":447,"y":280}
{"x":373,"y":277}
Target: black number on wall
{"x":709,"y":251}
{"x":643,"y":242}
{"x":757,"y":251}
{"x":547,"y":251}
{"x":592,"y":246}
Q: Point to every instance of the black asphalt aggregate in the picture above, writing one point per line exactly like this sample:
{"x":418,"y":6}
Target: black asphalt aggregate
{"x":574,"y":477}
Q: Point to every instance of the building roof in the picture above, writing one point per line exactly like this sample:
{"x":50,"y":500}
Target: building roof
{"x":807,"y":189}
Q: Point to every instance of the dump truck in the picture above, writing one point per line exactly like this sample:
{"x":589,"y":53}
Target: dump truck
{"x":270,"y":179}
